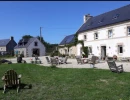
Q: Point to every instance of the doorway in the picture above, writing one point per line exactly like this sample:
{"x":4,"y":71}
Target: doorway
{"x":103,"y":52}
{"x":36,"y":52}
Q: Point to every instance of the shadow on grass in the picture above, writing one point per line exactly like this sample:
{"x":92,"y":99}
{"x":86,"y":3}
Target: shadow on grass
{"x":22,"y":86}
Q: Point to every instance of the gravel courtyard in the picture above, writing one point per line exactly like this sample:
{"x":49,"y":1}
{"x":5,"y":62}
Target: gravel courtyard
{"x":72,"y":63}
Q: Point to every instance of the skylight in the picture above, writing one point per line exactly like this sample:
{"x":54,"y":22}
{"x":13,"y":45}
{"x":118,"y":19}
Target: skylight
{"x":100,"y":21}
{"x":115,"y":16}
{"x":90,"y":23}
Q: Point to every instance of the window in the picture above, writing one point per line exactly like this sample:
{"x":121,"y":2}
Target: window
{"x":120,"y":49}
{"x":89,"y":50}
{"x":35,"y":44}
{"x":109,"y":33}
{"x":100,"y":21}
{"x":115,"y":16}
{"x":85,"y":37}
{"x":128,"y":30}
{"x":90,"y":23}
{"x":95,"y":35}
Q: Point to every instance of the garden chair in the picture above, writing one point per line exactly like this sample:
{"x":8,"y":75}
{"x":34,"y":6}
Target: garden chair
{"x":54,"y":61}
{"x":11,"y":79}
{"x":92,"y":62}
{"x":114,"y":68}
{"x":48,"y":60}
{"x":79,"y":60}
{"x":63,"y":60}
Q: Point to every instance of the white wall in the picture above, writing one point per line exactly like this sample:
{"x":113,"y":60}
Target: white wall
{"x":78,"y":46}
{"x":119,"y":36}
{"x":2,"y":48}
{"x":20,"y":50}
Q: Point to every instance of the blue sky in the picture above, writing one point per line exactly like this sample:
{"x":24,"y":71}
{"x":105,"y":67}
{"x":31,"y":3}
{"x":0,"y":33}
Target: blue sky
{"x":58,"y":18}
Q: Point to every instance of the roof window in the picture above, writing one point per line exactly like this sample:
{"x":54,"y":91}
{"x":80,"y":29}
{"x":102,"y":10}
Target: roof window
{"x":90,"y":23}
{"x":115,"y":16}
{"x":100,"y":21}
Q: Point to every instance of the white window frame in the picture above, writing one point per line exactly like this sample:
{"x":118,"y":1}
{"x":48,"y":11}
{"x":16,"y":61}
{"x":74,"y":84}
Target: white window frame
{"x":119,"y":51}
{"x":96,"y":36}
{"x":110,"y":33}
{"x":85,"y":37}
{"x":89,"y":50}
{"x":35,"y":43}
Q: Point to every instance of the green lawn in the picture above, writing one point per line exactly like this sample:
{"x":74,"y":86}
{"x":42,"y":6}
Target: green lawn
{"x":67,"y":84}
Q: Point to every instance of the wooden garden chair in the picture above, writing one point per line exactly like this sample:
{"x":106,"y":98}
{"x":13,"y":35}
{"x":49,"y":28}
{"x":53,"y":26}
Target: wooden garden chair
{"x":63,"y":60}
{"x":79,"y":61}
{"x":54,"y":61}
{"x":114,"y":68}
{"x":48,"y":60}
{"x":92,"y":62}
{"x":11,"y":79}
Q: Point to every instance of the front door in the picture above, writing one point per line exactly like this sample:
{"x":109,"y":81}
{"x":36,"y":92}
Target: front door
{"x":103,"y":52}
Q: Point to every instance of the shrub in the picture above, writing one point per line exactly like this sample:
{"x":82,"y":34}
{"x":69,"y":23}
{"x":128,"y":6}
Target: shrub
{"x":85,"y":50}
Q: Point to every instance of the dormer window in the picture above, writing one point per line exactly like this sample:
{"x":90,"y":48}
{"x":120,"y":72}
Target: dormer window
{"x":115,"y":16}
{"x":128,"y":30}
{"x":95,"y":36}
{"x":35,"y":44}
{"x":109,"y":33}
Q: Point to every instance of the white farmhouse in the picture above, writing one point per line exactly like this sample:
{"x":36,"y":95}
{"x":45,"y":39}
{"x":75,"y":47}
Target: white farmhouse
{"x":107,"y":34}
{"x":30,"y":47}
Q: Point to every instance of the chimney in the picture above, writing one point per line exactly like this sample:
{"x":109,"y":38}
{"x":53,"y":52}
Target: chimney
{"x":11,"y":38}
{"x":87,"y":17}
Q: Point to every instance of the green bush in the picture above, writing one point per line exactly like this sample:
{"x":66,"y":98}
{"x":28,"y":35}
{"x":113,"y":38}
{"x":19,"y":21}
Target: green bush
{"x":85,"y":50}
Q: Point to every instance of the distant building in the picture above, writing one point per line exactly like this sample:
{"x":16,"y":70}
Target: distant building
{"x":30,"y":47}
{"x":107,"y":34}
{"x":64,"y":50}
{"x":7,"y":45}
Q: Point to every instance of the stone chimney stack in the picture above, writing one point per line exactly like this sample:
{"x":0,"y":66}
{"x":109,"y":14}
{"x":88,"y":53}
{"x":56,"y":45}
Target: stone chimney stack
{"x":87,"y":17}
{"x":11,"y":38}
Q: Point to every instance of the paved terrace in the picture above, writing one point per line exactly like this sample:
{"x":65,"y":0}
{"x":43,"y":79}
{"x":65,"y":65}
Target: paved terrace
{"x":72,"y":63}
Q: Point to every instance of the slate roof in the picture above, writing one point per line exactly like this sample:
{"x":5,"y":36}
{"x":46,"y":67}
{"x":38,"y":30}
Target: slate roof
{"x":29,"y":41}
{"x":115,"y":16}
{"x":68,"y":39}
{"x":4,"y":42}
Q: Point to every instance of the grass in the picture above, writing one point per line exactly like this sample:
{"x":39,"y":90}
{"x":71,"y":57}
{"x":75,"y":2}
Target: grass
{"x":67,"y":84}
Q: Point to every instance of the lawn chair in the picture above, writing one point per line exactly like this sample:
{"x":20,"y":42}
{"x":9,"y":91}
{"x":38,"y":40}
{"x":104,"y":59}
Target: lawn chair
{"x":79,"y":60}
{"x":93,"y":61}
{"x":48,"y":60}
{"x":63,"y":60}
{"x":11,"y":79}
{"x":114,"y":68}
{"x":54,"y":61}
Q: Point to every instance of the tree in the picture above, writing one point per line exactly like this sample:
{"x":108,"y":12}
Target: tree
{"x":85,"y":50}
{"x":49,"y":47}
{"x":26,"y":36}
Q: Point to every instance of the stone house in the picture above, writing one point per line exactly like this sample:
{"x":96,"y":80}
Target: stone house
{"x":30,"y":47}
{"x":7,"y":45}
{"x":106,"y":34}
